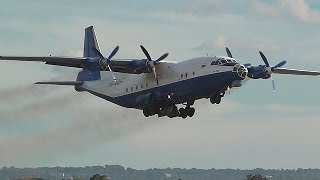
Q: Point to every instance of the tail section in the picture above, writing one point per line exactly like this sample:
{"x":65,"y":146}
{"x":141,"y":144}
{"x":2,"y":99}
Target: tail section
{"x":90,"y":41}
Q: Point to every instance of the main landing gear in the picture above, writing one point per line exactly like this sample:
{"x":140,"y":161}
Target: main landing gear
{"x":171,"y":112}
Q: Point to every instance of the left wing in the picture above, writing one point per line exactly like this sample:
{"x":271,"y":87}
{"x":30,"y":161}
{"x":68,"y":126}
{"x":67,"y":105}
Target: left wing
{"x":121,"y":65}
{"x":76,"y":62}
{"x":295,"y":72}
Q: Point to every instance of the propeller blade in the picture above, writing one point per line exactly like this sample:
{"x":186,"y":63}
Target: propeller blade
{"x":247,"y":65}
{"x":98,"y":52}
{"x":114,"y":78}
{"x":264,"y":59}
{"x":282,"y":63}
{"x":114,"y":52}
{"x":273,"y":86}
{"x":229,"y":52}
{"x":146,"y":53}
{"x":155,"y":75}
{"x":162,"y":57}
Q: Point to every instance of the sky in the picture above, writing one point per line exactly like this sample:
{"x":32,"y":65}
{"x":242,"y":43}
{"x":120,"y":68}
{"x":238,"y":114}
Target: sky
{"x":252,"y":127}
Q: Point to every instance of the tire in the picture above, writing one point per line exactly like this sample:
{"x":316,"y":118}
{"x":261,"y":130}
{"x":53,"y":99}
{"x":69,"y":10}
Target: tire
{"x":218,"y":100}
{"x":190,"y":112}
{"x":212,"y":100}
{"x":146,"y":113}
{"x":183,"y":113}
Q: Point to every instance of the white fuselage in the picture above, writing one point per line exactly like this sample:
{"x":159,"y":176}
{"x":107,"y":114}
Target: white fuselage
{"x":168,"y":73}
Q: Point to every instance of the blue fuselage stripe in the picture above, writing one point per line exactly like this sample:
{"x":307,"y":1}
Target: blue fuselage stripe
{"x":183,"y":91}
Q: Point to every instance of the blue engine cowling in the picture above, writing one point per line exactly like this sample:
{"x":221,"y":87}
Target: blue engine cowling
{"x":135,"y":66}
{"x":258,"y":72}
{"x":140,"y":66}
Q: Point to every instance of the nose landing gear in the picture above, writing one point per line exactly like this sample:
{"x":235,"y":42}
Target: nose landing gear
{"x":216,"y":99}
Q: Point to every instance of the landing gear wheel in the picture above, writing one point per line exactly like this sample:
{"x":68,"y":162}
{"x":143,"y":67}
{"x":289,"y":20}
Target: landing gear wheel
{"x":218,"y":100}
{"x":190,"y":111}
{"x":146,"y":113}
{"x":213,"y":100}
{"x":183,"y":113}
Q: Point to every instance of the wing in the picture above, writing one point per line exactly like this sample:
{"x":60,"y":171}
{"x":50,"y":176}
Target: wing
{"x":123,"y":66}
{"x":295,"y":72}
{"x":117,"y":65}
{"x":58,"y":61}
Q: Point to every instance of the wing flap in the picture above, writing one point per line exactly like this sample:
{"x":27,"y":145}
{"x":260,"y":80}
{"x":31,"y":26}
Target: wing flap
{"x":296,"y":72}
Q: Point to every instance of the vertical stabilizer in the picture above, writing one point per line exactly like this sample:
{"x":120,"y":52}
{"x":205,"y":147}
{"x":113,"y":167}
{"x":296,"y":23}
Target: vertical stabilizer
{"x":90,"y":41}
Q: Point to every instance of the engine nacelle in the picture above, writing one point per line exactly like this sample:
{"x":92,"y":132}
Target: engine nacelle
{"x":140,"y":66}
{"x":259,"y":72}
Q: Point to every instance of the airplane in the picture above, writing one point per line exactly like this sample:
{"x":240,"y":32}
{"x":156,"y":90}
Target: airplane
{"x":156,"y":86}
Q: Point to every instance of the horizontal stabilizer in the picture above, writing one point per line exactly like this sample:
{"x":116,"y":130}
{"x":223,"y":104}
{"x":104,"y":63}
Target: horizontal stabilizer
{"x":65,"y":83}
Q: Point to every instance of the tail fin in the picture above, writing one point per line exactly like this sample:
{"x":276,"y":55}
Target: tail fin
{"x":90,"y":41}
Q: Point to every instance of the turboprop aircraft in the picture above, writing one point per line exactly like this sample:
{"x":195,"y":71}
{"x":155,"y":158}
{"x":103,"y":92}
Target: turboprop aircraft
{"x":156,"y":86}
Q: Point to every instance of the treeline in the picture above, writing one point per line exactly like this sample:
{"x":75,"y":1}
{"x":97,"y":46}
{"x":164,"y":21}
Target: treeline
{"x":116,"y":172}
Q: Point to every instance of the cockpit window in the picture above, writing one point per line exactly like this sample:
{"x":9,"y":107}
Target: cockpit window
{"x":214,"y":63}
{"x":224,"y":62}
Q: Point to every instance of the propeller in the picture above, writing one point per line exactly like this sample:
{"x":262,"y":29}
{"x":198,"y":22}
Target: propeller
{"x":269,"y":69}
{"x":151,"y":64}
{"x":229,"y":52}
{"x":230,"y":56}
{"x":106,"y":61}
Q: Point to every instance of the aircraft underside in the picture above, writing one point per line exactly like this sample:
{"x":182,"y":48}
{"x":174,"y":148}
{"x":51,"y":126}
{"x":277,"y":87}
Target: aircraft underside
{"x":162,"y":100}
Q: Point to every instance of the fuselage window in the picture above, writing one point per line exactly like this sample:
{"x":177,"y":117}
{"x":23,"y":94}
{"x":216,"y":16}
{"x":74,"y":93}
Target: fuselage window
{"x":186,"y":75}
{"x":203,"y":66}
{"x":131,"y":88}
{"x":126,"y":89}
{"x":136,"y":87}
{"x":141,"y":85}
{"x":147,"y":84}
{"x":181,"y":75}
{"x":193,"y":73}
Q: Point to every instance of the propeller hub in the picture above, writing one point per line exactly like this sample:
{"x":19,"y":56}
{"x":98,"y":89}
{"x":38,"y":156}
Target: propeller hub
{"x":151,"y":64}
{"x":104,"y":62}
{"x":269,"y":70}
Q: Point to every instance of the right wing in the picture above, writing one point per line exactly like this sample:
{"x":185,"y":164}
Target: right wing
{"x":295,"y":72}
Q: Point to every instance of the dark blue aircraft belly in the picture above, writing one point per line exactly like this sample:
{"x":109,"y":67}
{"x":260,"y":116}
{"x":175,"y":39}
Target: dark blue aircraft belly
{"x":182,"y":91}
